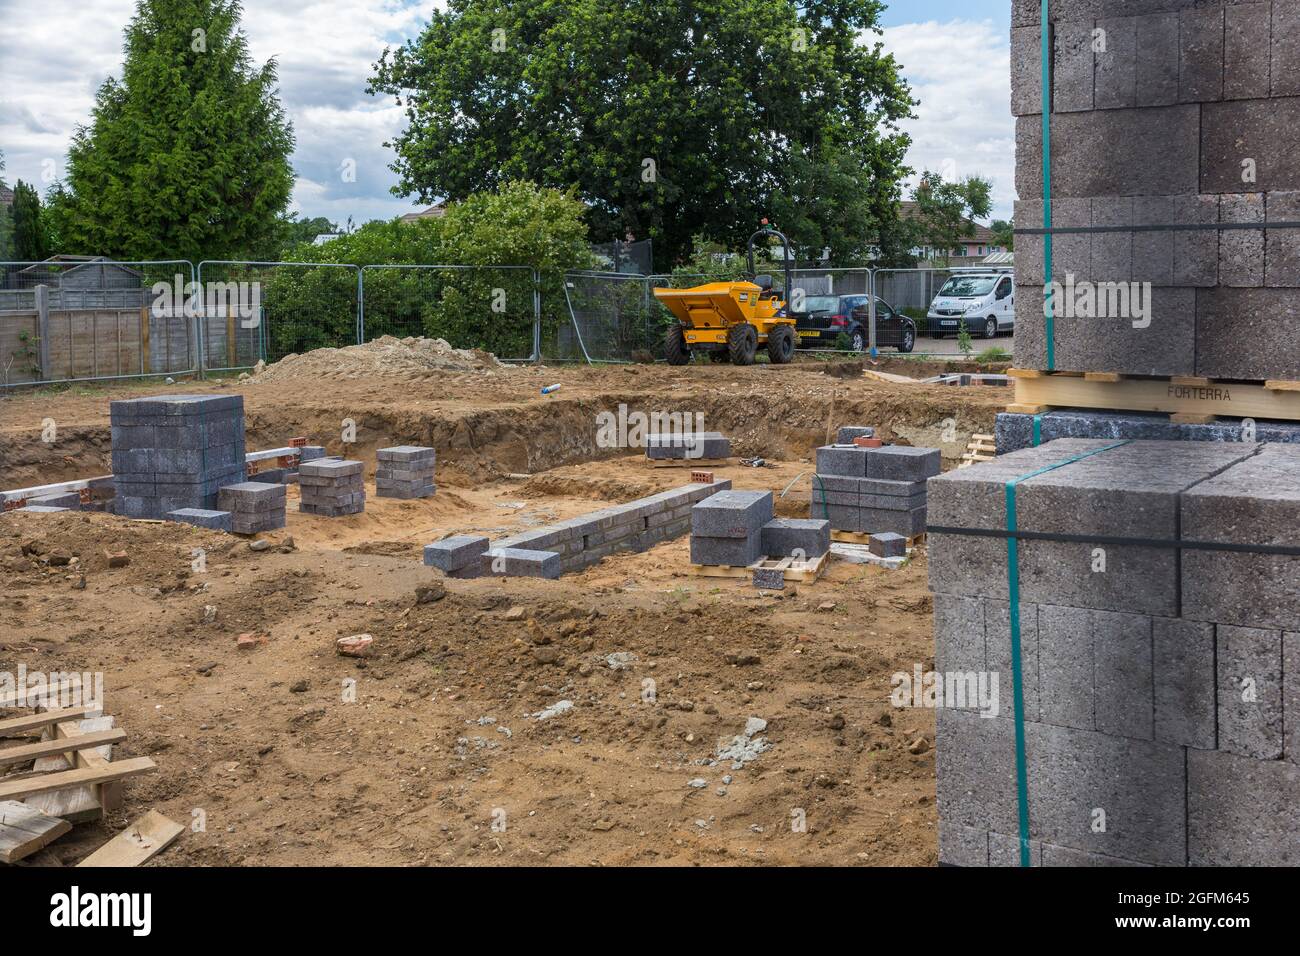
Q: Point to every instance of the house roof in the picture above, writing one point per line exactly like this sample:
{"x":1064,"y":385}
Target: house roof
{"x":6,"y":196}
{"x":908,"y":209}
{"x":436,"y":211}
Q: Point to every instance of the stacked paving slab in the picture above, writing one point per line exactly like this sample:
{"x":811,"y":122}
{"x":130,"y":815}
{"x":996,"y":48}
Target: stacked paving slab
{"x":332,"y":487}
{"x":871,"y":490}
{"x":687,"y":446}
{"x":252,"y":506}
{"x":1187,"y":114}
{"x":175,"y":452}
{"x":405,"y":471}
{"x":572,"y":545}
{"x":1161,"y":688}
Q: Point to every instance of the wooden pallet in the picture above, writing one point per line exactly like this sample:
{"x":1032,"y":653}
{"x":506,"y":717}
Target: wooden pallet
{"x":688,"y":462}
{"x":792,"y":569}
{"x":1187,"y":399}
{"x":981,"y":448}
{"x":855,"y":537}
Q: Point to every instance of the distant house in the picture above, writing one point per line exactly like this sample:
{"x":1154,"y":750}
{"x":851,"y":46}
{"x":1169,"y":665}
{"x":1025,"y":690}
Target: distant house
{"x":976,"y":242}
{"x":6,"y":196}
{"x":325,"y":237}
{"x":436,"y":211}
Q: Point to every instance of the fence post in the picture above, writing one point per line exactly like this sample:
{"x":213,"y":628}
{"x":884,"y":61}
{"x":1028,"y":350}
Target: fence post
{"x":871,"y":312}
{"x":537,"y":316}
{"x":361,"y":305}
{"x":43,"y":331}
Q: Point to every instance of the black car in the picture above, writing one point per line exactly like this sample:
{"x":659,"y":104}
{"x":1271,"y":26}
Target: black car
{"x":825,"y":317}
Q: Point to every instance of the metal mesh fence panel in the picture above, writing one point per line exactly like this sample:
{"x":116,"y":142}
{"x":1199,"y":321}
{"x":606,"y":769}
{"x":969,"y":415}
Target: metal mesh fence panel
{"x":267,"y":310}
{"x":90,"y":318}
{"x":496,"y":308}
{"x":611,"y":319}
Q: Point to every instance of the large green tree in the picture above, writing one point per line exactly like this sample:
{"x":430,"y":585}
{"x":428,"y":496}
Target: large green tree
{"x":944,"y":210}
{"x":29,"y":231}
{"x":187,"y":155}
{"x":672,"y":118}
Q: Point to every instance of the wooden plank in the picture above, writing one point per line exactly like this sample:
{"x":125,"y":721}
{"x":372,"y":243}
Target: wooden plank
{"x":18,"y":726}
{"x":80,"y":804}
{"x":24,"y":830}
{"x":1102,"y":376}
{"x":49,"y":748}
{"x":1028,"y":408}
{"x":138,"y":843}
{"x":1276,"y":386}
{"x":1025,"y":373}
{"x":81,"y":777}
{"x":109,"y":795}
{"x":1192,"y":418}
{"x":1172,"y":395}
{"x":1191,"y":381}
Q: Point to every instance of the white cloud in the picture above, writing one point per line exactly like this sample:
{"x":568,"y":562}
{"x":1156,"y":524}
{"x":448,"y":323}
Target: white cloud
{"x":960,"y":71}
{"x":324,"y":52}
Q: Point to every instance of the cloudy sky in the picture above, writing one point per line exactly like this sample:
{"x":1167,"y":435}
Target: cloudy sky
{"x":55,"y":53}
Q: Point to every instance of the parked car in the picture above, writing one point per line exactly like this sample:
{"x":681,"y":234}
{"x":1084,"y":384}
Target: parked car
{"x":983,"y":301}
{"x":826,"y":317}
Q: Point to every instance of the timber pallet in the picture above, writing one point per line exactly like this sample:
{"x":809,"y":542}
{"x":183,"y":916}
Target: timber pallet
{"x":981,"y":448}
{"x":688,"y":462}
{"x":804,"y":570}
{"x":1187,"y":399}
{"x":857,"y":537}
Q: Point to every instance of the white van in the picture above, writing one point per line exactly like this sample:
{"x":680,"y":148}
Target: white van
{"x":984,"y":301}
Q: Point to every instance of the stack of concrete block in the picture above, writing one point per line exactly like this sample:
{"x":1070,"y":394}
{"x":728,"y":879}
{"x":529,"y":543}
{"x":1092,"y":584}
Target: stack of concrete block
{"x":253,"y":506}
{"x":332,"y":488}
{"x":205,"y":518}
{"x":685,"y":446}
{"x":405,"y":471}
{"x":1161,"y":686}
{"x":727,"y":528}
{"x":576,"y":543}
{"x":869,"y":490}
{"x":1187,"y":114}
{"x":175,"y":452}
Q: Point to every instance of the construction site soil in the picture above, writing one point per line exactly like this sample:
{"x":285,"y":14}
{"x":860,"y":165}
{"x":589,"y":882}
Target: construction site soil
{"x":431,"y":751}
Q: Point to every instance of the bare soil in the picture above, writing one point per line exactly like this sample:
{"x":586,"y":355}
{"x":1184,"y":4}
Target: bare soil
{"x":439,"y":744}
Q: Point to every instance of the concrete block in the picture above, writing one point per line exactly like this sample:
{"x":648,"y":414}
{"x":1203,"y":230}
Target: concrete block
{"x":1282,"y":246}
{"x":1200,"y":41}
{"x":203,"y":518}
{"x":1005,"y":850}
{"x":732,"y":514}
{"x":1115,"y":67}
{"x":1123,"y":674}
{"x":330,"y":468}
{"x":1250,"y":691}
{"x":1029,"y":265}
{"x":1157,"y":59}
{"x":1246,"y":52}
{"x":891,"y":502}
{"x":975,"y":778}
{"x":1241,"y":811}
{"x":1066,"y":856}
{"x":903,"y":463}
{"x":687,"y":445}
{"x":1284,"y":49}
{"x":1112,"y":252}
{"x":1184,"y":688}
{"x":1072,"y":62}
{"x":1014,"y":431}
{"x":1265,"y":131}
{"x":67,"y":499}
{"x":1152,"y":258}
{"x":846,"y":460}
{"x":1291,"y":696}
{"x":888,"y":545}
{"x":251,"y":496}
{"x":1196,"y":251}
{"x":407,"y":454}
{"x":1241,"y":251}
{"x":243,"y":523}
{"x":846,"y":433}
{"x":878,"y":521}
{"x":841,"y":517}
{"x":997,"y":656}
{"x":1232,"y":341}
{"x":876,"y":487}
{"x":733,"y":552}
{"x":783,"y":537}
{"x":519,"y":562}
{"x":837,"y":483}
{"x":962,"y":846}
{"x":818,"y":496}
{"x":456,"y":552}
{"x":1066,"y":662}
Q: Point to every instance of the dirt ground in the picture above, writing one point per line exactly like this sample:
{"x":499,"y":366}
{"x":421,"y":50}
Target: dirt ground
{"x":439,"y":758}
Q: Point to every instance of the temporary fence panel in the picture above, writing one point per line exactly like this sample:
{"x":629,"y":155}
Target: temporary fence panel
{"x":611,"y":319}
{"x":87,"y":319}
{"x":496,"y":308}
{"x":253,"y":311}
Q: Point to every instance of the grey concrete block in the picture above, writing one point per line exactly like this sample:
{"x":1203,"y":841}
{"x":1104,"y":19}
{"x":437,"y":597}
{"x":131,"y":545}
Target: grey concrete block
{"x":1112,"y":252}
{"x":1232,"y":342}
{"x":1282,"y":246}
{"x":1264,"y":131}
{"x":878,"y":521}
{"x":203,"y":518}
{"x":1285,"y":48}
{"x":962,"y":846}
{"x":1115,"y":66}
{"x":1246,"y":52}
{"x":251,"y":496}
{"x":330,"y":468}
{"x":732,"y":514}
{"x":1066,"y":663}
{"x":1123,"y":674}
{"x":1184,"y":688}
{"x":1241,"y":251}
{"x":1196,"y":251}
{"x":456,"y":552}
{"x":1005,"y":850}
{"x":310,"y":453}
{"x":846,"y":433}
{"x":903,"y":463}
{"x":519,"y":562}
{"x":783,"y":537}
{"x":847,"y":460}
{"x":891,"y":502}
{"x":818,"y":496}
{"x":67,"y":499}
{"x":1250,"y":691}
{"x":211,"y":406}
{"x":1157,"y":59}
{"x":732,"y":552}
{"x":841,"y":517}
{"x":407,"y":453}
{"x":1152,"y":258}
{"x":1066,"y":856}
{"x":1072,"y":64}
{"x":1029,"y":265}
{"x":1200,"y":35}
{"x":997,"y":657}
{"x":1014,"y":431}
{"x":888,"y":545}
{"x":875,"y":487}
{"x":687,"y":445}
{"x":975,"y":778}
{"x":1291,"y":696}
{"x":1242,"y":811}
{"x":959,"y":636}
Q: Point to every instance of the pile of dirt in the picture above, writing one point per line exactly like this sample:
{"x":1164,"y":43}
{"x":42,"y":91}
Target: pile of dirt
{"x":385,"y":357}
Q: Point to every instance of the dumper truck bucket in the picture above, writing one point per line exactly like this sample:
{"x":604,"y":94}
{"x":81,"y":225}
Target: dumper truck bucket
{"x":708,"y":306}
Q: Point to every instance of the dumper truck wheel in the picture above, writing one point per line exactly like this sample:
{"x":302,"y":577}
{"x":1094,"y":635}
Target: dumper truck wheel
{"x":780,"y":344}
{"x":675,"y":350}
{"x":742,"y":344}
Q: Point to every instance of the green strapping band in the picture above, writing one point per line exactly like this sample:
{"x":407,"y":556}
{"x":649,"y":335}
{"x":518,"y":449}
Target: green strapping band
{"x":1017,"y":676}
{"x":1049,"y":308}
{"x":1038,"y":430}
{"x":826,"y":511}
